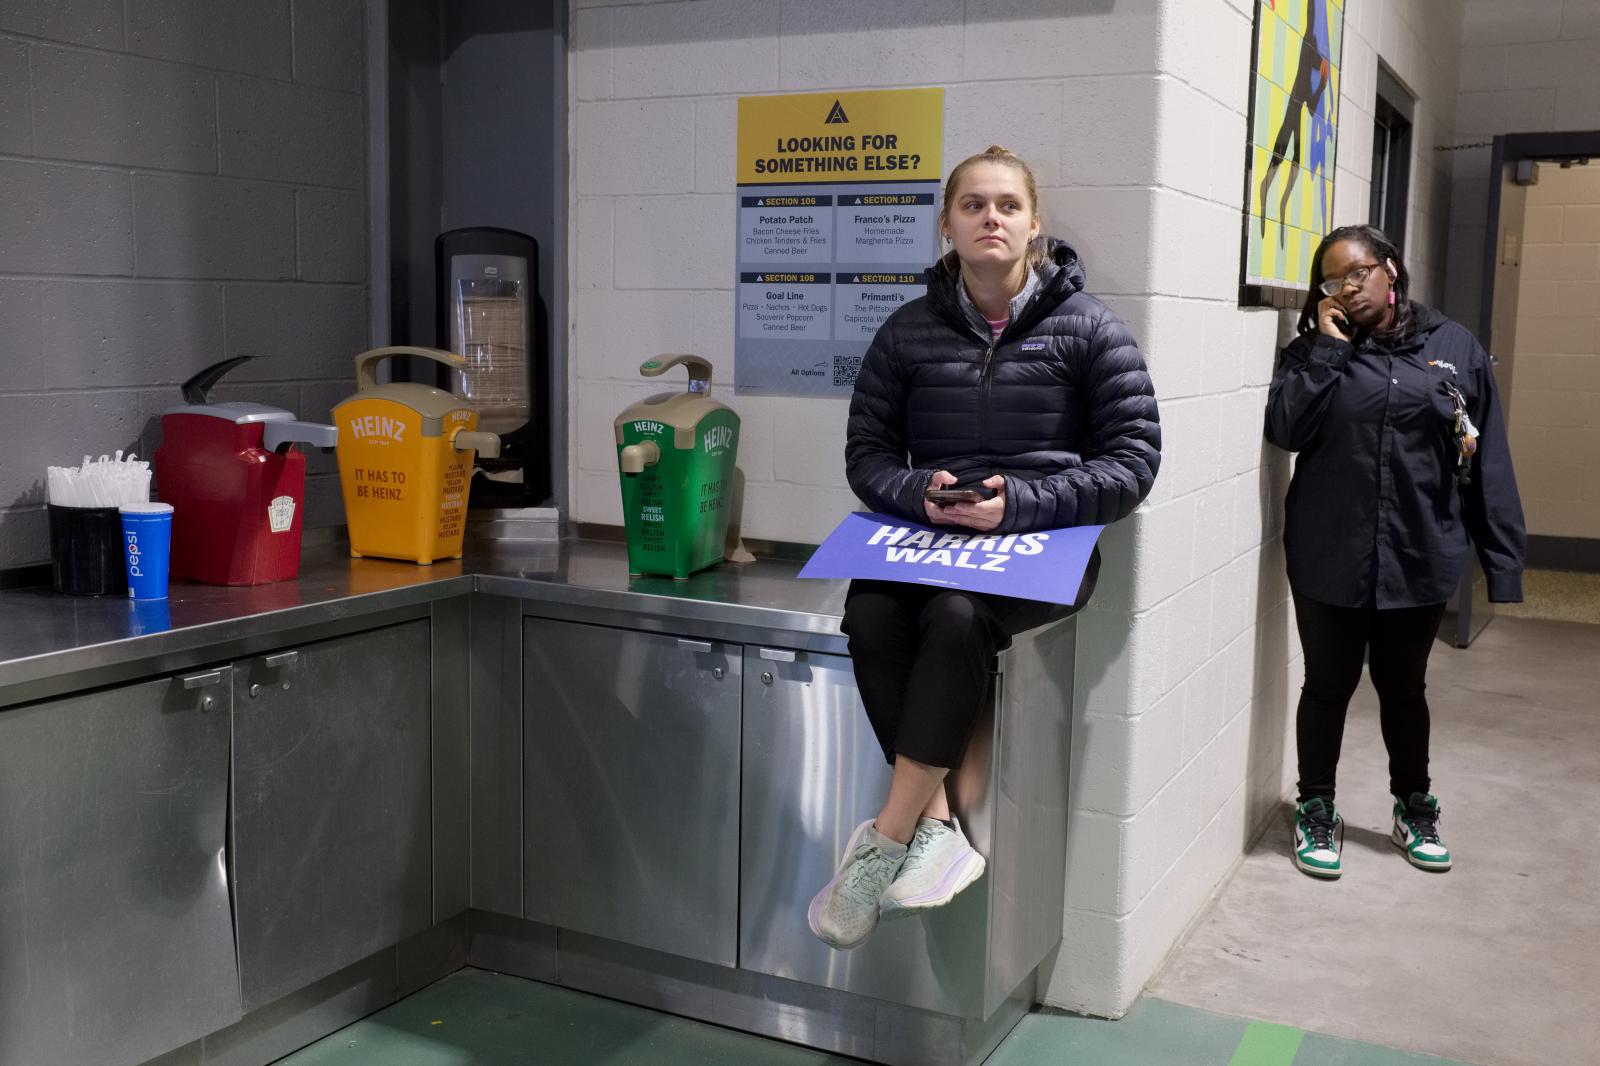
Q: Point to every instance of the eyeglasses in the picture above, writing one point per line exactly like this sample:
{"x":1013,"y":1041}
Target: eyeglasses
{"x":1358,"y":276}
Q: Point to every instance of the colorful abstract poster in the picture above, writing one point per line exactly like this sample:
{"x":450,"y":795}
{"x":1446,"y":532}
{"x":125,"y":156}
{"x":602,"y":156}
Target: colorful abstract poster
{"x":1294,"y":118}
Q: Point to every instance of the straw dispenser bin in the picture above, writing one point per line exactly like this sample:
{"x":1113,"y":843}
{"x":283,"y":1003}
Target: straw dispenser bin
{"x":676,"y":452}
{"x":405,"y":462}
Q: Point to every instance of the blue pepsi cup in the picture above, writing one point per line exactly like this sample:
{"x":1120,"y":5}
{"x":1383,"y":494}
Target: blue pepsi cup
{"x":147,"y":548}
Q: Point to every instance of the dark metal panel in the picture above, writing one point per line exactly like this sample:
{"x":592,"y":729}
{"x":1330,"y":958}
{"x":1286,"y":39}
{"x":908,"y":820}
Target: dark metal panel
{"x":632,"y":787}
{"x":52,"y":645}
{"x":305,"y":1015}
{"x":504,"y":944}
{"x":452,"y":759}
{"x":430,"y":955}
{"x":115,"y":939}
{"x":823,"y":1018}
{"x":808,"y":632}
{"x":1031,"y":800}
{"x":813,"y":771}
{"x":330,"y":805}
{"x":496,"y":698}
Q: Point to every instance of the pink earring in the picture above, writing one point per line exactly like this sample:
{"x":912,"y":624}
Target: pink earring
{"x":1391,"y":297}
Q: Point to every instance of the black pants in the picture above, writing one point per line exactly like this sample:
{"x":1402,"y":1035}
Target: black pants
{"x":923,"y":657}
{"x":1396,"y":643}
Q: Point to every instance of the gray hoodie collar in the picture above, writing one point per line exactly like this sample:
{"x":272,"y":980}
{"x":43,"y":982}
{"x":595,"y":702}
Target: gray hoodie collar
{"x":1018,"y":302}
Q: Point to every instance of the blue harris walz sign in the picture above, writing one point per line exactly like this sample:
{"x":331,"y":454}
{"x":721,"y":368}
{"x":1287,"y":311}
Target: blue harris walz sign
{"x":1046,"y":565}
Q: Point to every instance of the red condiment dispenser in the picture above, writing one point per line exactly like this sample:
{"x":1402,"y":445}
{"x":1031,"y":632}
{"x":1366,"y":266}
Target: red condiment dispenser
{"x":236,"y":483}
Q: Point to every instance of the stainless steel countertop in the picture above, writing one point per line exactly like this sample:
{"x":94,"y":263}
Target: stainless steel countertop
{"x":45,"y":634}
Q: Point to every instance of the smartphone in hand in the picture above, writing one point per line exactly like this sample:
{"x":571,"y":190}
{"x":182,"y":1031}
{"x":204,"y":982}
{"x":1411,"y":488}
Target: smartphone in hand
{"x":1332,"y":320}
{"x":942,"y":497}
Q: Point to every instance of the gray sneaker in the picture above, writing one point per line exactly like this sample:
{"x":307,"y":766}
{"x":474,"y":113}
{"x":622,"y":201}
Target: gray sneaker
{"x":845,"y":912}
{"x":939,"y":864}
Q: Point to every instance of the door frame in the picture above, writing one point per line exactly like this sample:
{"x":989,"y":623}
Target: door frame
{"x":1551,"y":147}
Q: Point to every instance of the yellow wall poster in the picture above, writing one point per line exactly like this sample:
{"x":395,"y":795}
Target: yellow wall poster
{"x":838,"y":206}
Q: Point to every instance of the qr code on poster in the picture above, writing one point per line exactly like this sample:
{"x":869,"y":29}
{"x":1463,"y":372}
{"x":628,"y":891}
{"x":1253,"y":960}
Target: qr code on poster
{"x":845,"y":369}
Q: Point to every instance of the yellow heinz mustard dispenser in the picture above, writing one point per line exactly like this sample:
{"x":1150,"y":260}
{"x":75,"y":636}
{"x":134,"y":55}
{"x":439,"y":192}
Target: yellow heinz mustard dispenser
{"x":405,"y":461}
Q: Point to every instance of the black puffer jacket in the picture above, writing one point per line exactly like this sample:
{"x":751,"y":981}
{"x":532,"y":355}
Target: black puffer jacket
{"x":1061,"y":404}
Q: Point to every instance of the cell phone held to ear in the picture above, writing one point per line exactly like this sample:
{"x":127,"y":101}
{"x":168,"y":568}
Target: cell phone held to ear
{"x":944,"y":497}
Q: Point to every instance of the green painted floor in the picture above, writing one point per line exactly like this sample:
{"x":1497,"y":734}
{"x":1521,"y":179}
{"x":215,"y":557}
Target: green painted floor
{"x":476,"y":1018}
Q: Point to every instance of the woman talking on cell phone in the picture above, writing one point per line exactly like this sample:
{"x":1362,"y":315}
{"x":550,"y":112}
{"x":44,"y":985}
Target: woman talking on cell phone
{"x":1005,"y":400}
{"x":1403,"y":454}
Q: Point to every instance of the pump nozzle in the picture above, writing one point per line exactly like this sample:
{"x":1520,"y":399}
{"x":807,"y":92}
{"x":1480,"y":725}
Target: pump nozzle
{"x":635,"y":457}
{"x":486,"y":445}
{"x":699,"y":370}
{"x":277,"y":436}
{"x":198,"y":388}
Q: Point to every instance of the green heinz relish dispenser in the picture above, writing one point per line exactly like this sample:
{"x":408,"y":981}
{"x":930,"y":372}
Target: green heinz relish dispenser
{"x":676,"y":452}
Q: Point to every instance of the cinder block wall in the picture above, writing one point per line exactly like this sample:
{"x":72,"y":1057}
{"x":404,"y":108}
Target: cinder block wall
{"x":180,"y":181}
{"x":1190,"y":666}
{"x":1184,"y":657}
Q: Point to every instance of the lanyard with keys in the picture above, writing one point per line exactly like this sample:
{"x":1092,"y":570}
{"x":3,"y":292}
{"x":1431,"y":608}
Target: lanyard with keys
{"x":1464,"y":433}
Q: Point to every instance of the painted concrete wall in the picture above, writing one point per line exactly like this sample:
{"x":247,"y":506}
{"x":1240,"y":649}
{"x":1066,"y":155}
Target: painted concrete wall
{"x":1134,"y":117}
{"x":1527,"y":67}
{"x":1188,"y":740}
{"x":179,"y":182}
{"x":1554,"y":416}
{"x":1418,"y":42}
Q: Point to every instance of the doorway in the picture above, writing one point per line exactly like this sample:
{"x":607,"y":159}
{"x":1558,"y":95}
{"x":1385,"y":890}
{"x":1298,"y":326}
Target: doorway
{"x":1514,"y":306}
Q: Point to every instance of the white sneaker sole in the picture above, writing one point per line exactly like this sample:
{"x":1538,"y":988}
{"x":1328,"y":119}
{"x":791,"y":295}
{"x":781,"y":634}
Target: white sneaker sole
{"x":1399,"y":841}
{"x":1316,"y":871}
{"x":963,"y":873}
{"x":814,"y":919}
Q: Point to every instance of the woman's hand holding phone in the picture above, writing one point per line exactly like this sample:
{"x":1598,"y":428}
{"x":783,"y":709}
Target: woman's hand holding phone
{"x":982,"y":515}
{"x":1331,"y":319}
{"x":941,"y":480}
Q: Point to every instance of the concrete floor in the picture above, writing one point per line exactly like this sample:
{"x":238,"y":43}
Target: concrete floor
{"x":1557,"y":596}
{"x":477,"y":1018}
{"x":1494,"y":962}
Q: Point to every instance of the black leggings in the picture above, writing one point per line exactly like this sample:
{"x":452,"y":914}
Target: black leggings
{"x":1396,"y":643}
{"x":923,"y":657}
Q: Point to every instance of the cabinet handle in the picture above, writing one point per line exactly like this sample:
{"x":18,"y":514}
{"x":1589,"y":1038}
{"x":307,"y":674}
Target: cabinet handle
{"x":777,"y":655}
{"x":282,"y":658}
{"x":213,"y":677}
{"x":694,"y":645}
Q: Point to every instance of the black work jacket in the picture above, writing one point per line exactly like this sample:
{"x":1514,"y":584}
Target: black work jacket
{"x":1061,"y":404}
{"x":1376,"y":513}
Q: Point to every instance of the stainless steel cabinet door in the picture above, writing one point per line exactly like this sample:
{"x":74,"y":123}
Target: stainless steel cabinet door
{"x":330,"y":805}
{"x":115,"y":938}
{"x":812,"y":772}
{"x":631,"y":787}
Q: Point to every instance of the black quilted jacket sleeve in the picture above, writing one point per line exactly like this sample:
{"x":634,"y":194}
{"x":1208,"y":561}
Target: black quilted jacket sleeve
{"x":876,"y":447}
{"x":1124,"y":451}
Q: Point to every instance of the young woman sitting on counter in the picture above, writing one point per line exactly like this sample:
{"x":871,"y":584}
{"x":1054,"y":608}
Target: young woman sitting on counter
{"x":1005,"y":400}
